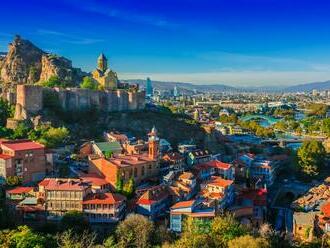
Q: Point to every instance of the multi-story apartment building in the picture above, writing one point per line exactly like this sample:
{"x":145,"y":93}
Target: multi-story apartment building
{"x":61,"y":195}
{"x":23,"y":158}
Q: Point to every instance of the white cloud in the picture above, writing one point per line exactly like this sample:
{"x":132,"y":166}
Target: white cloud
{"x":68,"y":38}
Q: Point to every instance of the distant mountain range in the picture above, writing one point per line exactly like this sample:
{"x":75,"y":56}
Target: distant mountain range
{"x":320,"y":86}
{"x":190,"y":87}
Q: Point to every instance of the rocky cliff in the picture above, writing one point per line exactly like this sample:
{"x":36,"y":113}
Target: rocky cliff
{"x":27,"y":64}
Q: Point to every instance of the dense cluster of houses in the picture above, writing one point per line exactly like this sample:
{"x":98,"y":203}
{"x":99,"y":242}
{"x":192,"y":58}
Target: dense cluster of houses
{"x":312,"y":212}
{"x":168,"y":184}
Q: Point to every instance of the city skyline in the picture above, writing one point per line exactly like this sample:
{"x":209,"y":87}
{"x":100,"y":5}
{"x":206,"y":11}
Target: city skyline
{"x":238,"y":43}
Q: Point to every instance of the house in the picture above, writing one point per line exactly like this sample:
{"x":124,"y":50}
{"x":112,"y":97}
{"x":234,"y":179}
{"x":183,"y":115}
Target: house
{"x":154,"y":202}
{"x":22,"y":158}
{"x":323,"y":218}
{"x":250,"y":207}
{"x":198,"y":157}
{"x":196,"y":209}
{"x":220,"y":190}
{"x":63,"y":194}
{"x":173,"y":161}
{"x":203,"y":171}
{"x":186,"y":148}
{"x":225,"y":170}
{"x":104,"y":207}
{"x":19,"y":193}
{"x":31,"y":209}
{"x":214,"y":167}
{"x":259,"y":167}
{"x":184,"y":187}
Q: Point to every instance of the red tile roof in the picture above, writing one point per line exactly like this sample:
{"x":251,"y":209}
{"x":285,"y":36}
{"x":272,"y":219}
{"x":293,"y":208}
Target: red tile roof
{"x":22,"y":145}
{"x":105,"y":198}
{"x":220,"y":182}
{"x":325,"y":209}
{"x":94,"y":180}
{"x":44,"y":182}
{"x":173,"y":156}
{"x":63,"y":184}
{"x":20,"y":190}
{"x":153,"y":195}
{"x":218,"y":164}
{"x":183,"y":204}
{"x":5,"y":156}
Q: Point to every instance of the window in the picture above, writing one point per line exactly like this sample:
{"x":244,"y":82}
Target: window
{"x":142,"y":171}
{"x":135,"y":172}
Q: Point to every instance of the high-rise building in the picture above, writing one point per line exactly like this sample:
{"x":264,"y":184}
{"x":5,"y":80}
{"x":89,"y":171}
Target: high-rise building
{"x":175,"y":91}
{"x":149,"y":90}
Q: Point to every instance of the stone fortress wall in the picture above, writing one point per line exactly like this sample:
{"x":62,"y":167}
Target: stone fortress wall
{"x":29,"y":100}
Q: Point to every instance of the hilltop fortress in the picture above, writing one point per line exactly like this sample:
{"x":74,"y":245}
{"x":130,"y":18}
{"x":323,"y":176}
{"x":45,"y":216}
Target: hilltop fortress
{"x":31,"y":99}
{"x":25,"y":67}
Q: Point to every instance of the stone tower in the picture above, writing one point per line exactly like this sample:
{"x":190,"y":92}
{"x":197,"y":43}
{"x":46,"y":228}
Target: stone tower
{"x":153,"y":144}
{"x":102,"y":63}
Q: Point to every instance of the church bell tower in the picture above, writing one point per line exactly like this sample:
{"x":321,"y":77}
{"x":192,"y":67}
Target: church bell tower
{"x":102,"y":63}
{"x":153,"y":144}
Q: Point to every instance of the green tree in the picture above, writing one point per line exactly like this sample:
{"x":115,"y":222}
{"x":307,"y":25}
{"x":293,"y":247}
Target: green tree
{"x":248,"y":241}
{"x":311,"y":157}
{"x":71,"y":239}
{"x":135,"y":231}
{"x":21,"y":131}
{"x":24,"y":237}
{"x":54,"y":137}
{"x":326,"y":126}
{"x":89,"y":83}
{"x":317,"y":109}
{"x":226,"y":228}
{"x":110,"y":242}
{"x":195,"y":235}
{"x":6,"y":111}
{"x":12,"y":181}
{"x":54,"y":81}
{"x":5,"y":132}
{"x":119,"y":183}
{"x":128,"y":188}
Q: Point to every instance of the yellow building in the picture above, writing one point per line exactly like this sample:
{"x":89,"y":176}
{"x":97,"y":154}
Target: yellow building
{"x":105,"y":76}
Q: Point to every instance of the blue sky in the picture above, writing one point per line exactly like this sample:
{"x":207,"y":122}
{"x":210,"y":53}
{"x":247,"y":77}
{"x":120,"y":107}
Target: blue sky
{"x":236,"y":42}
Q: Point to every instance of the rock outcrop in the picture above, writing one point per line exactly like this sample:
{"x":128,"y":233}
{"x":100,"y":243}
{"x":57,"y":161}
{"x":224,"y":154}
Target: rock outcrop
{"x":27,"y":64}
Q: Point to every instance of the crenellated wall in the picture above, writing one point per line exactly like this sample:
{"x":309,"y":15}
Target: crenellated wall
{"x":30,"y":99}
